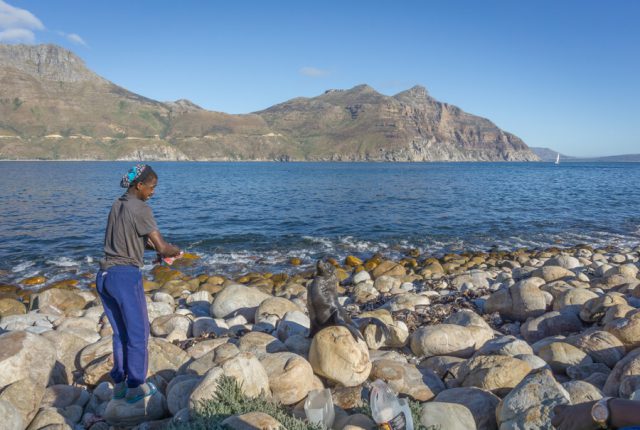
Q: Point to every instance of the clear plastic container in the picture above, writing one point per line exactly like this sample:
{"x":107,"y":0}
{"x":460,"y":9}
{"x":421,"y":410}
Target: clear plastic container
{"x":389,"y":412}
{"x":319,"y":408}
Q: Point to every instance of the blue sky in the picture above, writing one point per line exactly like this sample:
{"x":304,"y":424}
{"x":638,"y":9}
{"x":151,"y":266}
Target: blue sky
{"x":559,"y":74}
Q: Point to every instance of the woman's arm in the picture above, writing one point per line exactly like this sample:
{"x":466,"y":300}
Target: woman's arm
{"x":163,"y":248}
{"x":622,"y":413}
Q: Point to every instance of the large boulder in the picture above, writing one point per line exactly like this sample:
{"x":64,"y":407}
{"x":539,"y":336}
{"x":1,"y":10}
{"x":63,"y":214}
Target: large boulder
{"x":480,"y":330}
{"x":121,"y":413}
{"x":405,"y":378}
{"x":504,"y":345}
{"x":260,"y":344}
{"x":11,"y":417}
{"x":450,"y":416}
{"x":245,"y":368}
{"x":530,"y":404}
{"x":67,"y":346}
{"x":602,"y":346}
{"x":443,"y":339}
{"x":337,"y":356}
{"x":560,"y":355}
{"x":481,"y":403}
{"x":550,"y":324}
{"x":236,"y":299}
{"x":495,"y":373}
{"x":553,"y":273}
{"x":582,"y":391}
{"x":25,"y":395}
{"x":629,"y":366}
{"x":56,"y":300}
{"x":290,"y":376}
{"x":518,"y":302}
{"x":627,"y":330}
{"x":25,"y":355}
{"x":594,"y":309}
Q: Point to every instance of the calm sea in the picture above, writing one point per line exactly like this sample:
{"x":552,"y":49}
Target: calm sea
{"x":243,"y":217}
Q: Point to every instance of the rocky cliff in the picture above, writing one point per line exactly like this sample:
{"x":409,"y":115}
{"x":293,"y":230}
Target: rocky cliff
{"x":53,"y":107}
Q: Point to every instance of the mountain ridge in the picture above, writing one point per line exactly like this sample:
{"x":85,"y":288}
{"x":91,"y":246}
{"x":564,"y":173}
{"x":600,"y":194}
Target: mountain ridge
{"x":53,"y":107}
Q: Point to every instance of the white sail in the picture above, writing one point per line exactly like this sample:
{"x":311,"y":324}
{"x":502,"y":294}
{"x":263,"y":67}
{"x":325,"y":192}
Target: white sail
{"x":558,"y":158}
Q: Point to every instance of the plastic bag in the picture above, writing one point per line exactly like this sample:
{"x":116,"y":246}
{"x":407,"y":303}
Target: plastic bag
{"x":319,"y":408}
{"x":389,"y":412}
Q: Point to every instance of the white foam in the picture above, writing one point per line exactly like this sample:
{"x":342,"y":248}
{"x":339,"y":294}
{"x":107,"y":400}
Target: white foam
{"x":22,"y":266}
{"x":63,"y":262}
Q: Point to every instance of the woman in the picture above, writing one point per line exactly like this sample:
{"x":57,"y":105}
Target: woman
{"x":130,"y":227}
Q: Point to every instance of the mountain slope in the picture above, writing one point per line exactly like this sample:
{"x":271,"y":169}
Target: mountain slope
{"x":53,"y":107}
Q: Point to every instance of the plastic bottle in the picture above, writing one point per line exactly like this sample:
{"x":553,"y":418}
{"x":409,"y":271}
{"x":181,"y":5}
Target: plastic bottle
{"x":319,"y":408}
{"x":389,"y":412}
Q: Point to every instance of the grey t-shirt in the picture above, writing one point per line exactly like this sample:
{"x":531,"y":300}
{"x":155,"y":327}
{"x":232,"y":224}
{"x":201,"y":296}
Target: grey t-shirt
{"x":129,"y":223}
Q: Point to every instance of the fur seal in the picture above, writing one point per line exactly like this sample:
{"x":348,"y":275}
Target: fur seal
{"x":325,"y":310}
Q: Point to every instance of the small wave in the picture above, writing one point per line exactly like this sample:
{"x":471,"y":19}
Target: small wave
{"x":63,"y":262}
{"x":22,"y":266}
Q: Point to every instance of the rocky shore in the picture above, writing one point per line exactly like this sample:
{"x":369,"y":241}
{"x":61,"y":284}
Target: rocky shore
{"x":480,"y":340}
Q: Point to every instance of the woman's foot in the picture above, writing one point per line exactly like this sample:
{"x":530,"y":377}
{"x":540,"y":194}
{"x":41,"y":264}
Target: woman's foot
{"x":140,"y":392}
{"x":119,"y":390}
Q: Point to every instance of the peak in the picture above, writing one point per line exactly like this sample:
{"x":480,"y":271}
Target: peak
{"x":183,"y":105}
{"x":415,"y":92}
{"x":363,"y":88}
{"x":49,"y":62}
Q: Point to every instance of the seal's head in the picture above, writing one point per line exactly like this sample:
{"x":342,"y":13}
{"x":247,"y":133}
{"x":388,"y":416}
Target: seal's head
{"x":325,"y":269}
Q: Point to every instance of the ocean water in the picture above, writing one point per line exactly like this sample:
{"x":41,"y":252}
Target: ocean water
{"x":242,"y":217}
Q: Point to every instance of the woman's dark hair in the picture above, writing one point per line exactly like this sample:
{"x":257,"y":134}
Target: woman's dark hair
{"x":147,"y":174}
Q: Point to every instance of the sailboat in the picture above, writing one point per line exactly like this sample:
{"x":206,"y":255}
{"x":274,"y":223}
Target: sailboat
{"x":557,"y":158}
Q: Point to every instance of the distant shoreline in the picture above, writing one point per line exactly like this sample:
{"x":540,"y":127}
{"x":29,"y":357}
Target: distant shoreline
{"x":568,"y":161}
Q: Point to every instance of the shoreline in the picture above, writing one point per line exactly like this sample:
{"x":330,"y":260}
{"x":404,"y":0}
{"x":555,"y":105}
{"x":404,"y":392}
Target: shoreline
{"x":558,"y":318}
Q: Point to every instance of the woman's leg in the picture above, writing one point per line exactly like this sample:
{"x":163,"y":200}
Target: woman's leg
{"x":119,"y":338}
{"x":129,"y":294}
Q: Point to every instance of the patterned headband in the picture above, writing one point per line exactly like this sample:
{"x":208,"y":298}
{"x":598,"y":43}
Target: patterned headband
{"x":133,"y":174}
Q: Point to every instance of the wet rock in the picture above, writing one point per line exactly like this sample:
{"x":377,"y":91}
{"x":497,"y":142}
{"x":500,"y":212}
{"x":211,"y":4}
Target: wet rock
{"x":238,"y":299}
{"x":530,"y":404}
{"x":10,"y":306}
{"x":389,"y":268}
{"x":481,"y":403}
{"x":450,"y":416}
{"x":495,"y":373}
{"x":290,"y":376}
{"x":421,"y":385}
{"x":337,"y":356}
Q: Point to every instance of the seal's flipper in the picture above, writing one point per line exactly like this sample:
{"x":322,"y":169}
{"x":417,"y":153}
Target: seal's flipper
{"x":362,"y":323}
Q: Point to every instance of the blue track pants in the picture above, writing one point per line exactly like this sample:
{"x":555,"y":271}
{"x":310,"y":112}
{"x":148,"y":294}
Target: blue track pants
{"x":122,"y":294}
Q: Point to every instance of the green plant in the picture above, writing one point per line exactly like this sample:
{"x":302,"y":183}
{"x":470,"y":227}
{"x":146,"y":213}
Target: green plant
{"x":229,"y":401}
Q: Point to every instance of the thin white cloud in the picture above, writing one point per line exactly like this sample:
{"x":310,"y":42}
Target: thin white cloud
{"x":15,"y":18}
{"x":76,"y":39}
{"x":313,"y":72}
{"x":19,"y":35}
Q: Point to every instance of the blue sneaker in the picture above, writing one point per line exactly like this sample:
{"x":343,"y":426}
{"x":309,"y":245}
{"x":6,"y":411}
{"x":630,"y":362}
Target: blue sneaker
{"x":142,"y":393}
{"x":119,"y":390}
